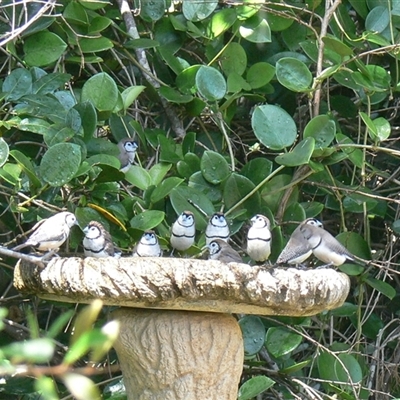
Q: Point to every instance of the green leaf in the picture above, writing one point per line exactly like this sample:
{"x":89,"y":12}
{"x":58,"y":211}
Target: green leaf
{"x":130,"y":94}
{"x":50,"y":82}
{"x":259,"y":74}
{"x":322,"y":129}
{"x":213,"y":192}
{"x":255,"y":30}
{"x":236,"y":188}
{"x":67,"y":158}
{"x":26,"y":166}
{"x":152,"y":10}
{"x":141,"y":43}
{"x":179,"y":197}
{"x":254,"y":386}
{"x":148,"y":219}
{"x":158,"y":171}
{"x":89,"y":118}
{"x":104,"y":159}
{"x":293,"y":74}
{"x":81,"y":387}
{"x":99,"y":24}
{"x":4,"y":151}
{"x":30,"y":351}
{"x":186,"y":79}
{"x":214,"y":167}
{"x":95,"y":44}
{"x":253,"y":331}
{"x":164,"y":189}
{"x":257,"y":169}
{"x":383,"y":128}
{"x":355,"y":243}
{"x":197,"y":10}
{"x":300,"y":155}
{"x":102,"y":91}
{"x":210,"y":83}
{"x":139,"y":177}
{"x":220,"y":22}
{"x":46,"y":386}
{"x":76,"y":14}
{"x":17,"y":84}
{"x":280,"y":341}
{"x":382,"y":287}
{"x":174,"y":96}
{"x":378,"y":19}
{"x":337,"y":46}
{"x":234,"y":59}
{"x":346,"y":310}
{"x":273,"y":126}
{"x":43,"y":48}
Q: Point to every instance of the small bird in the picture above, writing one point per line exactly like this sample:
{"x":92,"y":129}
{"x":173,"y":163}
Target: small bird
{"x":259,"y":238}
{"x":217,"y":228}
{"x":298,"y":248}
{"x":127,"y":152}
{"x":325,"y":247}
{"x":148,"y":246}
{"x":51,"y":233}
{"x":222,"y":251}
{"x":183,"y":231}
{"x":97,"y":241}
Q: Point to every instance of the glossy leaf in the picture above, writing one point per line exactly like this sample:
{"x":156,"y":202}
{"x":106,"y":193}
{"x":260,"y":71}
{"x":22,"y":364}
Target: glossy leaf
{"x":255,"y":30}
{"x":322,"y":129}
{"x":213,"y":192}
{"x":273,"y":126}
{"x":257,"y":169}
{"x":27,"y":167}
{"x":234,"y":59}
{"x":152,"y":10}
{"x":214,"y":167}
{"x":220,"y":22}
{"x":210,"y":83}
{"x":43,"y":48}
{"x":174,"y":96}
{"x":165,"y":188}
{"x":39,"y":350}
{"x":139,"y":177}
{"x":260,"y":74}
{"x":89,"y":118}
{"x":4,"y":152}
{"x":253,"y":331}
{"x":382,"y":287}
{"x":300,"y":155}
{"x":148,"y":219}
{"x":49,"y":83}
{"x":378,"y":19}
{"x":198,"y":10}
{"x":254,"y":386}
{"x":81,"y":387}
{"x":280,"y":341}
{"x":67,"y":157}
{"x":102,"y":91}
{"x":17,"y":84}
{"x":158,"y":171}
{"x":293,"y":74}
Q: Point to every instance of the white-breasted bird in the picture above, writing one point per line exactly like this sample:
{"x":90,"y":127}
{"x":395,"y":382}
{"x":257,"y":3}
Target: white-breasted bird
{"x":298,"y":249}
{"x":183,"y":231}
{"x":51,"y":233}
{"x":217,"y":228}
{"x":97,"y":241}
{"x":326,"y":247}
{"x":127,"y":152}
{"x":222,"y":251}
{"x":148,"y":246}
{"x":259,"y":238}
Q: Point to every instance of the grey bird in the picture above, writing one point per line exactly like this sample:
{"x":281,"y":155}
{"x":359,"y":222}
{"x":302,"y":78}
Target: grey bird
{"x":127,"y":152}
{"x":298,"y":248}
{"x":259,"y":238}
{"x":217,"y":228}
{"x":183,"y":231}
{"x":97,"y":241}
{"x":51,"y":233}
{"x":148,"y":246}
{"x":222,"y":251}
{"x":325,"y":247}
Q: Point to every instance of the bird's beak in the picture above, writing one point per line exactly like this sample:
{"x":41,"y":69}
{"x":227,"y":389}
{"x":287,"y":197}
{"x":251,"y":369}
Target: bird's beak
{"x":85,"y":230}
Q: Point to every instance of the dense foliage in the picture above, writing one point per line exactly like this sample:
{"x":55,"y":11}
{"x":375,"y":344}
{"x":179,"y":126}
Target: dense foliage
{"x":284,"y":109}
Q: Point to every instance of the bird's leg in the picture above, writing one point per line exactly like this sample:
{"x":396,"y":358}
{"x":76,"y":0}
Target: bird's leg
{"x":46,"y":257}
{"x":325,"y":266}
{"x":301,"y":267}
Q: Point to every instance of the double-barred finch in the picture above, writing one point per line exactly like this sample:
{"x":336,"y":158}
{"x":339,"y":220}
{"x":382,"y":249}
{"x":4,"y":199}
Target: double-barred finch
{"x":298,"y":248}
{"x":325,"y":247}
{"x":51,"y":233}
{"x":259,"y":238}
{"x":127,"y":151}
{"x":217,"y":228}
{"x":222,"y":251}
{"x":148,"y":246}
{"x":97,"y":241}
{"x":183,"y":231}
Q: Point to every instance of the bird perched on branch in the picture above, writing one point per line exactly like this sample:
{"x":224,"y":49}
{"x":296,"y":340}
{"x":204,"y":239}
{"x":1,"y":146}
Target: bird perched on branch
{"x":127,"y":152}
{"x":298,"y":248}
{"x":217,"y":228}
{"x":51,"y":233}
{"x":97,"y":241}
{"x":259,"y":238}
{"x":183,"y":231}
{"x":148,"y":246}
{"x":222,"y":251}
